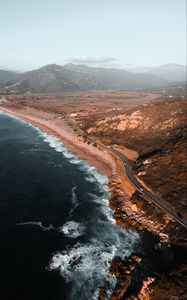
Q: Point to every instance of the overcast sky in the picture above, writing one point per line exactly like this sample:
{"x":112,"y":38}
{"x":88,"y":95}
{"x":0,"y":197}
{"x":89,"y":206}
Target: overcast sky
{"x":99,"y":32}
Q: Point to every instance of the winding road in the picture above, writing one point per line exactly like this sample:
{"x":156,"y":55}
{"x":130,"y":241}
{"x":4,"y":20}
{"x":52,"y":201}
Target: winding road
{"x":129,"y":174}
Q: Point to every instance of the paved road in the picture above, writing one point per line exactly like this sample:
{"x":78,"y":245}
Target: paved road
{"x":147,"y":193}
{"x":128,"y":171}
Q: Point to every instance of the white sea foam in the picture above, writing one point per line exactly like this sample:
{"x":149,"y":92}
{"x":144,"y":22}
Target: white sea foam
{"x":74,"y":197}
{"x":91,"y":172}
{"x":108,"y":212}
{"x":72,"y":229}
{"x":87,"y":265}
{"x":90,"y":179}
{"x":20,"y":120}
{"x":74,"y":201}
{"x":104,"y":206}
{"x":49,"y":227}
{"x":6,"y":113}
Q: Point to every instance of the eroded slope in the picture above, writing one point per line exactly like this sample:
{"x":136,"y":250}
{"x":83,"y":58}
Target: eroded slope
{"x":157,"y":132}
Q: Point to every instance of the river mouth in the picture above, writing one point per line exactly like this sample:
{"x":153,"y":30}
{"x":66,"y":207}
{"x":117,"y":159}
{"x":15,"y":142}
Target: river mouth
{"x":55,"y":219}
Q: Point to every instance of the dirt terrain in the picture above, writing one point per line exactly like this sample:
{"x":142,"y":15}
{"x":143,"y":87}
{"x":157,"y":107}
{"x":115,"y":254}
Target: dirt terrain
{"x":158,"y":133}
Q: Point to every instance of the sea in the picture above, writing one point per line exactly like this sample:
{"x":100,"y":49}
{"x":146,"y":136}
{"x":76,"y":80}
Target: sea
{"x":58,"y":235}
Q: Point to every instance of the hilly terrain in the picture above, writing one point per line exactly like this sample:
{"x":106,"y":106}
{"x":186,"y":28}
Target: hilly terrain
{"x":6,"y":76}
{"x":158,"y":133}
{"x":58,"y":79}
{"x":175,"y":90}
{"x":71,"y":77}
{"x":171,"y":72}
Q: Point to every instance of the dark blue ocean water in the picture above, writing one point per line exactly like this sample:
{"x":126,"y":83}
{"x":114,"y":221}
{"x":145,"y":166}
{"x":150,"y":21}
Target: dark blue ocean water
{"x":57,"y":233}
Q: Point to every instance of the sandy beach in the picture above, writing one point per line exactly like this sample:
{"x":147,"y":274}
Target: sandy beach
{"x":104,"y":161}
{"x":55,"y":125}
{"x":128,"y":212}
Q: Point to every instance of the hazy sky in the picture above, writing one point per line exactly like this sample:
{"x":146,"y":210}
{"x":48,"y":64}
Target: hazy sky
{"x":101,"y":32}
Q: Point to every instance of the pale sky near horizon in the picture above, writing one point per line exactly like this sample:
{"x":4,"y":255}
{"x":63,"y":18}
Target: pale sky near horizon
{"x":98,"y":32}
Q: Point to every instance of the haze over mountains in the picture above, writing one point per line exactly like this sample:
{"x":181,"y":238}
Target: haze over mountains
{"x":171,"y":72}
{"x":71,"y":77}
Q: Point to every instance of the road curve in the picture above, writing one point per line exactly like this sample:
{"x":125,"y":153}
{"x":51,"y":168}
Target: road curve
{"x":129,"y":173}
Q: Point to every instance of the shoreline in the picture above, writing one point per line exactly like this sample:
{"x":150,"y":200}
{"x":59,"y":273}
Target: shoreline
{"x":53,"y":125}
{"x":102,"y":159}
{"x":91,"y":157}
{"x":127,"y":213}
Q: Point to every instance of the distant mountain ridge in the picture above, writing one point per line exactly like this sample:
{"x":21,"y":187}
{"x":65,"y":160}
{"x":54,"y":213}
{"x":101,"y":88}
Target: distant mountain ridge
{"x":71,"y":77}
{"x":171,"y":72}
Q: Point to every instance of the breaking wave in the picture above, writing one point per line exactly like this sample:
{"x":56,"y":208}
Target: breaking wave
{"x":87,"y":266}
{"x":92,"y":174}
{"x":20,"y":120}
{"x":72,"y":229}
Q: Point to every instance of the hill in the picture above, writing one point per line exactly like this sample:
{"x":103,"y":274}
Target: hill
{"x":158,"y":133}
{"x":170,"y":72}
{"x":6,"y":76}
{"x":58,"y":79}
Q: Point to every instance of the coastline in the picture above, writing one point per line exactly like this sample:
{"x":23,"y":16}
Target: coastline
{"x":48,"y":130}
{"x":53,"y":125}
{"x":104,"y":161}
{"x":127,"y":211}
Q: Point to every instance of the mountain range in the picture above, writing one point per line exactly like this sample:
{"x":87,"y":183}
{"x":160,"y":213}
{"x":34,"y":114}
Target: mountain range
{"x":71,"y":77}
{"x":171,"y":72}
